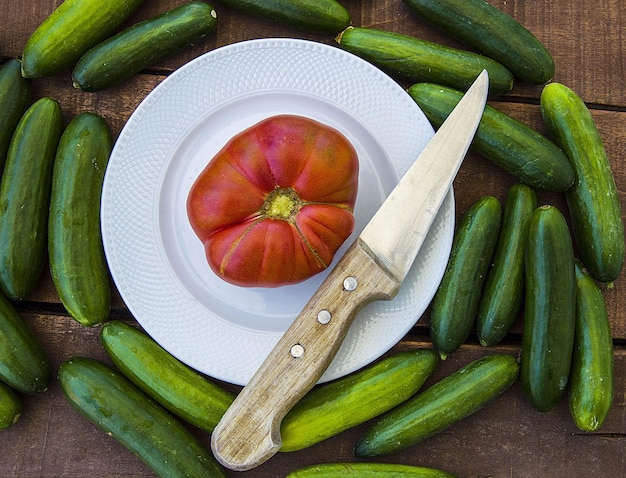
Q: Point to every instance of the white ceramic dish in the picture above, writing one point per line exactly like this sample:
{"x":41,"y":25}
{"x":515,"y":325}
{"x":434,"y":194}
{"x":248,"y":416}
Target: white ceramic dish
{"x":157,"y":262}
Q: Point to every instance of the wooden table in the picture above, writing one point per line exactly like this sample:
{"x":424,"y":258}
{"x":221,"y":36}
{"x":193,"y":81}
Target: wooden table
{"x":507,"y":438}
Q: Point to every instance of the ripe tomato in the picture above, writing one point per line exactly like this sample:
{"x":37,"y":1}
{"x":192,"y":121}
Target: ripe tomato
{"x":275,"y":203}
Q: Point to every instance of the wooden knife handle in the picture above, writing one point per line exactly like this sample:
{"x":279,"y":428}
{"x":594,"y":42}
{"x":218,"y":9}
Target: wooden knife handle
{"x":249,"y":432}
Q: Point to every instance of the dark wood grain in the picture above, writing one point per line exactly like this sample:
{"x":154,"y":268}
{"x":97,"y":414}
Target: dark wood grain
{"x":505,"y":439}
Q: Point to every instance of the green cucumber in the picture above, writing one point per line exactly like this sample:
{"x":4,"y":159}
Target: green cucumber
{"x":412,"y":59}
{"x":178,"y":388}
{"x":442,"y":405}
{"x":593,"y":200}
{"x":368,"y":470}
{"x":70,"y":30}
{"x":118,"y":58}
{"x":507,"y":142}
{"x":119,"y":408}
{"x":318,"y":16}
{"x":592,"y":379}
{"x":503,"y":291}
{"x":14,"y":100}
{"x":455,"y":304}
{"x":24,"y":365}
{"x":492,"y":32}
{"x":10,"y":406}
{"x":25,"y":198}
{"x":337,"y":406}
{"x":549,"y":312}
{"x":77,"y":263}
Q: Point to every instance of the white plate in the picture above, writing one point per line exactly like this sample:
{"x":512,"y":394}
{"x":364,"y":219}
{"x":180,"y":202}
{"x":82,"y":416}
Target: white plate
{"x":158,"y":263}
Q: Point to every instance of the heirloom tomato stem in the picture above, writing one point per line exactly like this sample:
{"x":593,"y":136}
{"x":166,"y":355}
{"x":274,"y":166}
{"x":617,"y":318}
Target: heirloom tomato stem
{"x":282,"y":203}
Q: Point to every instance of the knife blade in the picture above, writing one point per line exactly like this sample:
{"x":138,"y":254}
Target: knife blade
{"x":373,"y":268}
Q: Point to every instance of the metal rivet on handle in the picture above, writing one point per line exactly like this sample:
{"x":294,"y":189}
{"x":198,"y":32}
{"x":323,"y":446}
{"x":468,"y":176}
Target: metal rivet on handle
{"x":297,"y":351}
{"x":324,"y":316}
{"x":350,"y":283}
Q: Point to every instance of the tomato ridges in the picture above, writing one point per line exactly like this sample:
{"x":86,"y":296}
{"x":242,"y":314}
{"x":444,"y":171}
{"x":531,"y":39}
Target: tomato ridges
{"x":275,"y":204}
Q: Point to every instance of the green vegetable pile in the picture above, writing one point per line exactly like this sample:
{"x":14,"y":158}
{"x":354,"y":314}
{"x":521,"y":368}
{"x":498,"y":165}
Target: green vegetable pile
{"x":505,"y":260}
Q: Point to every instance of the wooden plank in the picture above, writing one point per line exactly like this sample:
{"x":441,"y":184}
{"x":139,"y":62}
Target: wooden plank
{"x":477,"y":177}
{"x":576,"y":35}
{"x":506,"y":436}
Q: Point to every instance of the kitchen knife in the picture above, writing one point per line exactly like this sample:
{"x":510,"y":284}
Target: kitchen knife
{"x":373,"y":268}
